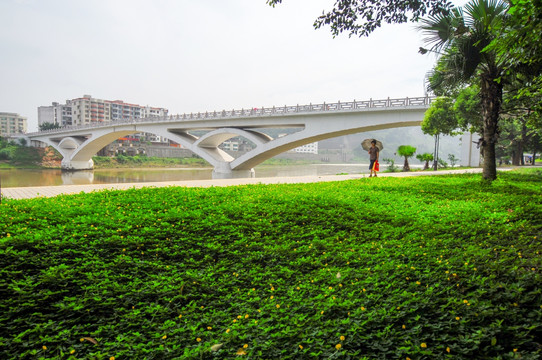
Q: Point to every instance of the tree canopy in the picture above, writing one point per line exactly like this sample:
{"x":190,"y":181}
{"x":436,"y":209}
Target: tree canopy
{"x":406,"y":151}
{"x":426,"y":158}
{"x":362,"y":17}
{"x":48,"y":126}
{"x":440,"y":118}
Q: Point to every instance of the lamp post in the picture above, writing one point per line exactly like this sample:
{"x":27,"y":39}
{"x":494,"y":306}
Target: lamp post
{"x":435,"y":163}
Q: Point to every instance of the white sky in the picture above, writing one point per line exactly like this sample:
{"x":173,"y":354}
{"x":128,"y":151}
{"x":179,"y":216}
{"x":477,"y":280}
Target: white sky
{"x":196,"y":55}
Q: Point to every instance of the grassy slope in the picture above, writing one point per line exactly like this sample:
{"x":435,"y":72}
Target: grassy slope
{"x":426,"y":268}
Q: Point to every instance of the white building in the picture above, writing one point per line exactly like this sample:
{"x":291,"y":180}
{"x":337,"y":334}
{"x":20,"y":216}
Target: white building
{"x":148,"y":111}
{"x":57,"y":114}
{"x":311,"y":148}
{"x":12,"y":123}
{"x":230,"y":145}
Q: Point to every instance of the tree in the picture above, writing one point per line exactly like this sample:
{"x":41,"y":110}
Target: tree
{"x":407,"y":151}
{"x":48,"y":126}
{"x":452,"y":159}
{"x":468,"y":109}
{"x":427,"y":157}
{"x":362,"y":17}
{"x":535,"y":145}
{"x":517,"y":136}
{"x":521,"y":44}
{"x":440,"y":117}
{"x":522,"y":120}
{"x":460,"y":37}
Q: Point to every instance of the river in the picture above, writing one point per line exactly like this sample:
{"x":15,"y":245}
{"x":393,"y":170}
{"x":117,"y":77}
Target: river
{"x":54,"y":177}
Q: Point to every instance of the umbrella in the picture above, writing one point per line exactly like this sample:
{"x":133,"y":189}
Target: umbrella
{"x":366,"y":144}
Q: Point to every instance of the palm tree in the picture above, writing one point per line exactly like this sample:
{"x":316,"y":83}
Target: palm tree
{"x":425,"y":157}
{"x":460,"y":38}
{"x":406,"y":151}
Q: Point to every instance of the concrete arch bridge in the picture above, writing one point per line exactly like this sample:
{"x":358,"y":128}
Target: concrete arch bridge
{"x":314,"y":122}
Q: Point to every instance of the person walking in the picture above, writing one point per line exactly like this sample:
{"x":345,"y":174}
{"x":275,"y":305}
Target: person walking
{"x":373,"y":157}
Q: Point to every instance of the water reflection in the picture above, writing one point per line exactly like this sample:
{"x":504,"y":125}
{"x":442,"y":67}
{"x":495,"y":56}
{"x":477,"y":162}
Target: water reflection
{"x":56,"y":177}
{"x":77,"y":177}
{"x":30,"y":177}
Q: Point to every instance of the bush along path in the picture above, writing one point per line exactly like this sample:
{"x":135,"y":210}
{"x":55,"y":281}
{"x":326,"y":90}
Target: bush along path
{"x":395,"y":268}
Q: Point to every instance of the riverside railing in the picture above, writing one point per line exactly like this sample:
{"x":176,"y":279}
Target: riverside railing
{"x":257,"y":112}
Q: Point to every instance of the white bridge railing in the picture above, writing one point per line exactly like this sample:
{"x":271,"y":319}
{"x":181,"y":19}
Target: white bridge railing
{"x":258,"y":112}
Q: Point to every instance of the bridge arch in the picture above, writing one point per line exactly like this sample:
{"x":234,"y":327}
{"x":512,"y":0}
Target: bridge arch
{"x":324,"y":129}
{"x":70,"y":143}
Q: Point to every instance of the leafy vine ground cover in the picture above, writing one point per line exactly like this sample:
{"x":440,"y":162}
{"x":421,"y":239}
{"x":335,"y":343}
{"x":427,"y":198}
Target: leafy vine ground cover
{"x":390,"y":268}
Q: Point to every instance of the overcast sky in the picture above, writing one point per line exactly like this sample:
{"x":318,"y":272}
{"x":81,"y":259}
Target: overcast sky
{"x":196,"y":55}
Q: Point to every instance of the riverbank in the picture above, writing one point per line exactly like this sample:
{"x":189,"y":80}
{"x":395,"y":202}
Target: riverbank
{"x":51,"y":191}
{"x":49,"y":160}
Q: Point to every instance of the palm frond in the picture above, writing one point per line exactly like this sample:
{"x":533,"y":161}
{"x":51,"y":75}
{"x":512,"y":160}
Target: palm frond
{"x":440,"y":29}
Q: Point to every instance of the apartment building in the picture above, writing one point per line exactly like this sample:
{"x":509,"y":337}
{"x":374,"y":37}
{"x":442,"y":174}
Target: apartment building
{"x":12,"y":123}
{"x":55,"y":114}
{"x":87,"y":110}
{"x":121,"y":110}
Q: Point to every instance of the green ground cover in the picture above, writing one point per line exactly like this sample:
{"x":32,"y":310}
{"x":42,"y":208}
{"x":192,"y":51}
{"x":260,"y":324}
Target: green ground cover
{"x":391,"y":268}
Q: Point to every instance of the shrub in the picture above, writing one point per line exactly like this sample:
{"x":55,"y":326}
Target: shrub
{"x":122,"y":159}
{"x":391,"y":165}
{"x":453,"y":160}
{"x":7,"y":153}
{"x":442,"y":164}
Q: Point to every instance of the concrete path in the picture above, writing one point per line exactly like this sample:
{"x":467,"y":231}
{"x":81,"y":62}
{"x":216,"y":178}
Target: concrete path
{"x":50,"y":191}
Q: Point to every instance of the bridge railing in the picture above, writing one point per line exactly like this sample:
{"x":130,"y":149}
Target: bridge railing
{"x":258,"y":112}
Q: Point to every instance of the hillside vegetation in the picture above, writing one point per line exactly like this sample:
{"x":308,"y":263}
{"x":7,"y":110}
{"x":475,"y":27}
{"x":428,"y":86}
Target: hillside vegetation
{"x":439,"y":267}
{"x":18,"y":155}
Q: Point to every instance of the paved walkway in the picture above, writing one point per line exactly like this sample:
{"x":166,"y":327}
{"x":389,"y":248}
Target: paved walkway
{"x":50,"y":191}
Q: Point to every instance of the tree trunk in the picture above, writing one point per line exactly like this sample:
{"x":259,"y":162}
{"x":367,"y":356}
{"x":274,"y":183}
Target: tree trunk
{"x":406,"y":167}
{"x":515,"y":153}
{"x":491,"y":92}
{"x":525,"y":137}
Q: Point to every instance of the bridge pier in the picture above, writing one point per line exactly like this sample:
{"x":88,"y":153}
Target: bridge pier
{"x":76,"y":165}
{"x":234,"y":174}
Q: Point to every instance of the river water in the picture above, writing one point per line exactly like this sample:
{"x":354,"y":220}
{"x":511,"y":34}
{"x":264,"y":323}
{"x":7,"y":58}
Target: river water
{"x":54,"y":177}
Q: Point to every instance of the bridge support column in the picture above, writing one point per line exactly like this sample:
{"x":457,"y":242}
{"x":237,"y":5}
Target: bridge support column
{"x":235,"y":174}
{"x":223,"y":171}
{"x":76,"y":165}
